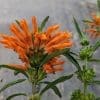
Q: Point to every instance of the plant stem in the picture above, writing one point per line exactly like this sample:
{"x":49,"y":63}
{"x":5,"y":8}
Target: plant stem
{"x":85,"y":89}
{"x":85,"y":84}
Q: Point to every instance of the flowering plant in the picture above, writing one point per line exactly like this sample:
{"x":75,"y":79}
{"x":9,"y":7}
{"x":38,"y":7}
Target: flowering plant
{"x":40,"y":52}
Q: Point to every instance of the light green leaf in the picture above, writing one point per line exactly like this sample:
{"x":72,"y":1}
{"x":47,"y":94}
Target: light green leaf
{"x":73,"y":60}
{"x":14,"y":95}
{"x":43,"y":23}
{"x":11,"y":84}
{"x":55,"y":82}
{"x":87,"y":21}
{"x":55,"y":89}
{"x":52,"y":55}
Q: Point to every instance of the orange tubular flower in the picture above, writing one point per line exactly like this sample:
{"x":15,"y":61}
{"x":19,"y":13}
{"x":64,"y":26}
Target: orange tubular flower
{"x":94,"y":27}
{"x":53,"y":66}
{"x":29,"y":43}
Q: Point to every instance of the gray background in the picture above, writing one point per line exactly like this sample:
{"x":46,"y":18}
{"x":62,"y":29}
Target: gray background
{"x":60,"y":11}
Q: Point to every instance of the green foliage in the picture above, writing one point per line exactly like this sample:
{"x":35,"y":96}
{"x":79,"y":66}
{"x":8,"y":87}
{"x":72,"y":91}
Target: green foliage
{"x":83,"y":38}
{"x":11,"y":84}
{"x":78,"y":95}
{"x":73,"y":60}
{"x":15,"y":95}
{"x":54,"y":88}
{"x":96,"y":45}
{"x":98,"y":3}
{"x":98,"y":98}
{"x":86,"y":75}
{"x":86,"y":52}
{"x":43,"y":23}
{"x":55,"y":82}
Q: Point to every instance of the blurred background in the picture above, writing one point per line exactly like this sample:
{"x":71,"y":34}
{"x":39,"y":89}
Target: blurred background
{"x":60,"y":11}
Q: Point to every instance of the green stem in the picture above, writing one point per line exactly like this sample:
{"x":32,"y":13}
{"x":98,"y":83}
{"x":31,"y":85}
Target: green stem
{"x":85,"y":84}
{"x":85,"y":89}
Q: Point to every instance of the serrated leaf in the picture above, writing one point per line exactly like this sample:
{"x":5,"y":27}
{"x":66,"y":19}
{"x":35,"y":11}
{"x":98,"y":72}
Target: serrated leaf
{"x":11,"y":84}
{"x":55,"y":82}
{"x":52,"y":55}
{"x":55,"y":89}
{"x":73,"y":60}
{"x":13,"y":68}
{"x":14,"y":95}
{"x":43,"y":23}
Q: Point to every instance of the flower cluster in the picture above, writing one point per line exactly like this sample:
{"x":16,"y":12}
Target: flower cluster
{"x":34,"y":44}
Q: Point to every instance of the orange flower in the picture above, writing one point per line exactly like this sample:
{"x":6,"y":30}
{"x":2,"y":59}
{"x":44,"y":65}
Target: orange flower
{"x":94,"y":27}
{"x":58,"y":41}
{"x":32,"y":43}
{"x":54,"y":65}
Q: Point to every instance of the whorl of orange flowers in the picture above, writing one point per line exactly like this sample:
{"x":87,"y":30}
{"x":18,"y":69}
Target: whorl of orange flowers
{"x":26,"y":42}
{"x":94,"y":26}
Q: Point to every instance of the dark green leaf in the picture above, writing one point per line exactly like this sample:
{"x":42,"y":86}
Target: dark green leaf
{"x":43,"y":23}
{"x":55,"y":82}
{"x":16,"y":73}
{"x":55,"y":89}
{"x":52,"y":55}
{"x":14,"y":95}
{"x":98,"y":98}
{"x":11,"y":84}
{"x":94,"y":60}
{"x":13,"y":68}
{"x":96,"y":82}
{"x":78,"y":28}
{"x":98,"y":2}
{"x":96,"y":46}
{"x":17,"y":22}
{"x":73,"y":60}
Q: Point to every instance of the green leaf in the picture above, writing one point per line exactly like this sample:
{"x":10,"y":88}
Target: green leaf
{"x":16,"y":72}
{"x":96,"y":46}
{"x":55,"y":89}
{"x":87,"y":21}
{"x":78,"y":28}
{"x":14,"y":95}
{"x":15,"y":69}
{"x":98,"y":98}
{"x":98,"y":3}
{"x":95,"y":82}
{"x":17,"y":22}
{"x":52,"y":55}
{"x":73,"y":60}
{"x":11,"y":84}
{"x":55,"y":82}
{"x":43,"y":23}
{"x":94,"y":60}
